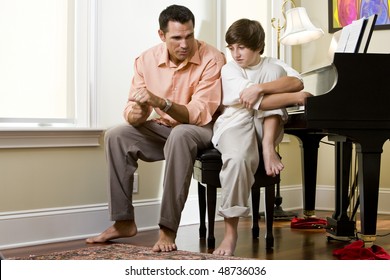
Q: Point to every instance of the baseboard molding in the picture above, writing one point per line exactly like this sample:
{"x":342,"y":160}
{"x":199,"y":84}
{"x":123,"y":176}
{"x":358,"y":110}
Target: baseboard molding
{"x":20,"y":229}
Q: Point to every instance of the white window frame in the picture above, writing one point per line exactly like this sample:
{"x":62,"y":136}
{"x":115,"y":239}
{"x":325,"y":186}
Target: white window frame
{"x":85,"y":132}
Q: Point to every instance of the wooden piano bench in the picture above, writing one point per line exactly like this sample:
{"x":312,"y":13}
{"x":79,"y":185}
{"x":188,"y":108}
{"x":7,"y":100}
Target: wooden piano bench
{"x":206,"y":171}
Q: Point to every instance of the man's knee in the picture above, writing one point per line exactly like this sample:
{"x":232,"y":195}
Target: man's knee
{"x":189,"y":133}
{"x":115,"y":133}
{"x":181,"y":133}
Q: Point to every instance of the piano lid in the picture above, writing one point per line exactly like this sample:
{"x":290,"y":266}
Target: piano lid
{"x":360,"y":96}
{"x":317,"y":82}
{"x":320,"y":81}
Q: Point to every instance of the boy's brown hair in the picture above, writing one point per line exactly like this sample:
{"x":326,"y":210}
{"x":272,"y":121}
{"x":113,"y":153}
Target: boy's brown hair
{"x":248,"y":33}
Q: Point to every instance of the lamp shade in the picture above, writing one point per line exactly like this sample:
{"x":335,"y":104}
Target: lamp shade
{"x":299,"y":29}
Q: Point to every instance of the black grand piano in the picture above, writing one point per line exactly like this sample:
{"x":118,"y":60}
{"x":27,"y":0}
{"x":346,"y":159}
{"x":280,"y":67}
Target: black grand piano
{"x":354,"y":111}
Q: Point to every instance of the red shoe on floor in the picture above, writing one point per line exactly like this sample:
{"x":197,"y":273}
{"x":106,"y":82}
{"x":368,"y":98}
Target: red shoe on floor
{"x":308,"y":223}
{"x":357,"y":251}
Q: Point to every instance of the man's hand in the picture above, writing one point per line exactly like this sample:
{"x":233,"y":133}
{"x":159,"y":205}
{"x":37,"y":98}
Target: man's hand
{"x":145,"y":97}
{"x":138,"y":114}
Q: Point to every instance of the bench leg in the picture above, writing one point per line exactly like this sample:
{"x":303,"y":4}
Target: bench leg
{"x":269,"y":215}
{"x":255,"y":212}
{"x":202,"y":210}
{"x":211,"y":205}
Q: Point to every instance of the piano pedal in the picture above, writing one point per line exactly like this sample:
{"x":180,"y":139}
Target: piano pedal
{"x":341,"y":230}
{"x":331,"y":237}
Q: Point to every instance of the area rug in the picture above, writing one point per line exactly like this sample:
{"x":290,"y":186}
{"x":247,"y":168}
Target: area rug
{"x":125,"y":252}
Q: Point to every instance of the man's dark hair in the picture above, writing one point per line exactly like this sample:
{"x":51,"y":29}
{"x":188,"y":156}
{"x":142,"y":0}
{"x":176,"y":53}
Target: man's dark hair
{"x":248,"y":33}
{"x":175,"y":13}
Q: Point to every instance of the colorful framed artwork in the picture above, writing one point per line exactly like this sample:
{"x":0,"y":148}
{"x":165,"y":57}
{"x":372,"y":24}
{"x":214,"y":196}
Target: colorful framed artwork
{"x":343,"y":12}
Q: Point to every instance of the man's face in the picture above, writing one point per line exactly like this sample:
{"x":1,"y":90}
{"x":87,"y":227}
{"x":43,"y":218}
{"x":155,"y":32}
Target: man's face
{"x":179,"y":40}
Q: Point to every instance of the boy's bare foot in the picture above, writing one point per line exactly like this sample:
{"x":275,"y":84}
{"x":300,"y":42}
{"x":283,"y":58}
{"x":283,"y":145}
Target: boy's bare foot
{"x":272,"y":163}
{"x":166,"y":241}
{"x":227,"y":247}
{"x":119,"y":229}
{"x":229,"y":242}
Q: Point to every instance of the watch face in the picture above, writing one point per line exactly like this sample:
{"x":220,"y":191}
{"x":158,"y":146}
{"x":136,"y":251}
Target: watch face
{"x":168,"y":105}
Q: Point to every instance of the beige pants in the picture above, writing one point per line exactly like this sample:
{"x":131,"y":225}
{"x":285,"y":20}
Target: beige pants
{"x":125,"y":145}
{"x":240,"y":146}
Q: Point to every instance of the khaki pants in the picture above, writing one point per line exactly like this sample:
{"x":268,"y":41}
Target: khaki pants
{"x":240,"y":146}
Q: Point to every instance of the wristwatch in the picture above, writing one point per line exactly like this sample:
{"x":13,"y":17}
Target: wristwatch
{"x":168,"y":105}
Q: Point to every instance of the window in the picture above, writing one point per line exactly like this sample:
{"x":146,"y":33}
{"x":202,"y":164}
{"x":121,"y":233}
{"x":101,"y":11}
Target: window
{"x":47,"y":51}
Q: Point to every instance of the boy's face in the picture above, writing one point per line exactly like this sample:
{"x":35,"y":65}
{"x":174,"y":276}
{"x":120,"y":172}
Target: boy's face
{"x":179,"y":40}
{"x":244,"y":56}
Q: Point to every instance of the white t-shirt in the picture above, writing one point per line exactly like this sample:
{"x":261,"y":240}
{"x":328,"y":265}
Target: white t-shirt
{"x":235,"y":79}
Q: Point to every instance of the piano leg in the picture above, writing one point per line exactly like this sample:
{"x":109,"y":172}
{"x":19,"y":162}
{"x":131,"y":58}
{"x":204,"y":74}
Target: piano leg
{"x":340,"y":225}
{"x":309,"y":143}
{"x":368,"y":176}
{"x":343,"y":156}
{"x":369,"y":150}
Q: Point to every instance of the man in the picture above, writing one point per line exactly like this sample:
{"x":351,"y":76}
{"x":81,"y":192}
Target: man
{"x":180,"y":80}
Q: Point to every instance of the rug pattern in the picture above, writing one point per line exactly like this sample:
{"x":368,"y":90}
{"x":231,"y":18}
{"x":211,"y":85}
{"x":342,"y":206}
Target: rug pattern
{"x":126,"y":252}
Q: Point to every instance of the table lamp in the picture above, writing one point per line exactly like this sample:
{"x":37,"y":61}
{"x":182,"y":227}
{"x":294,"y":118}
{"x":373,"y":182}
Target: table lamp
{"x":298,"y":27}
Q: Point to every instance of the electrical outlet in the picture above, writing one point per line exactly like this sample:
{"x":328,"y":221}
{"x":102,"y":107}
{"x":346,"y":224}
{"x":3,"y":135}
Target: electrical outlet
{"x":135,"y":183}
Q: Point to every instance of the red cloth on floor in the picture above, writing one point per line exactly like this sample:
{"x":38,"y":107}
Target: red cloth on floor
{"x":308,"y":223}
{"x":357,"y":251}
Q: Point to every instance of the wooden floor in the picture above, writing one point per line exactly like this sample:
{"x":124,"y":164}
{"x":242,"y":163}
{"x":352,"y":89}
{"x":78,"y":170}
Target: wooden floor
{"x":290,"y":244}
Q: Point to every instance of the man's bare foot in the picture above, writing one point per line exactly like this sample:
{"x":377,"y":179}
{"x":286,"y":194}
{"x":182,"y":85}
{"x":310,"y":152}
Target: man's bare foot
{"x":272,"y":163}
{"x":119,"y":229}
{"x":166,"y":241}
